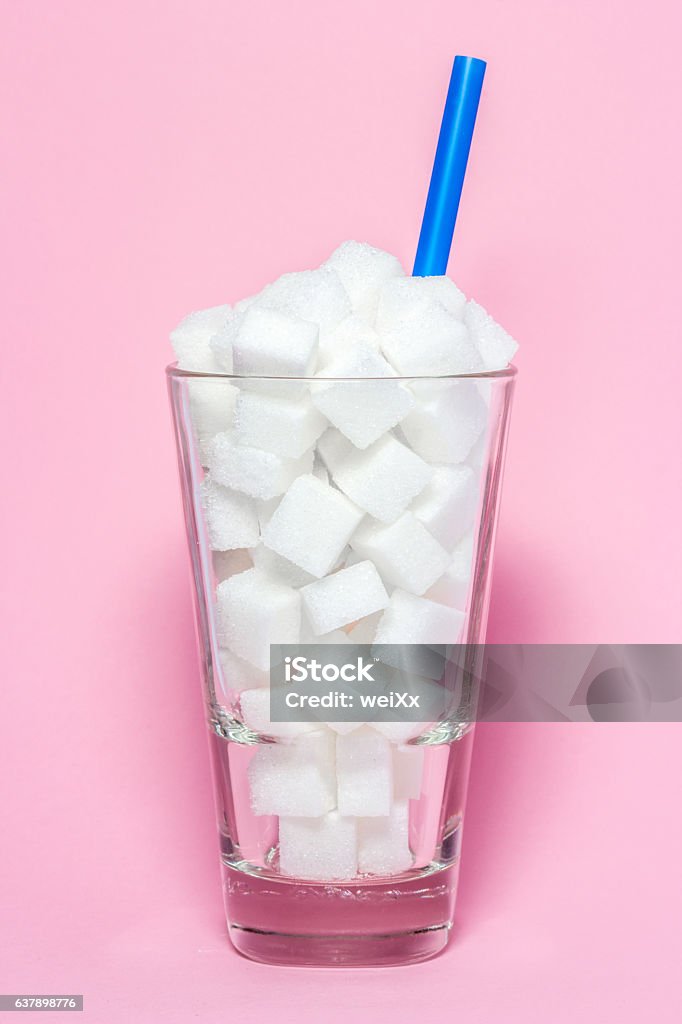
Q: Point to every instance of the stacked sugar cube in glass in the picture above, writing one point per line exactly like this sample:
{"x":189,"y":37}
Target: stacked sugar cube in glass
{"x":341,"y":438}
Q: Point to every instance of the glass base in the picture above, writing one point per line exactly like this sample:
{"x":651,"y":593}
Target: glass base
{"x":354,"y":924}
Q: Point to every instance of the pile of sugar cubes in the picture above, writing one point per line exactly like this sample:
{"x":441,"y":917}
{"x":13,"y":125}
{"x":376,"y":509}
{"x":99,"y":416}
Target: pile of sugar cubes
{"x":339,"y":508}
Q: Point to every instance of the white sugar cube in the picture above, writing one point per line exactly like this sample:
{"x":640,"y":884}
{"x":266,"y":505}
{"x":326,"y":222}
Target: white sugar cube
{"x":350,"y":332}
{"x":270,"y":343}
{"x":435,"y":343}
{"x":312,"y":525}
{"x":254,"y":612}
{"x":446,"y":421}
{"x":322,"y":849}
{"x":343,"y":597}
{"x":332,"y":448}
{"x":383,"y":479}
{"x":419,"y":335}
{"x":447,"y":505}
{"x":274,"y":424}
{"x":191,"y":339}
{"x":383,"y":843}
{"x":211,"y":406}
{"x":362,"y":410}
{"x":231,"y":520}
{"x":295,"y":778}
{"x":363,"y":270}
{"x":416,"y":620}
{"x":405,"y":553}
{"x":496,"y":347}
{"x":315,"y":296}
{"x":279,"y":568}
{"x":251,"y":470}
{"x":364,"y":774}
{"x":408,"y":769}
{"x":239,"y":674}
{"x":255,"y":708}
{"x":453,"y":586}
{"x":445,"y":291}
{"x":229,"y":563}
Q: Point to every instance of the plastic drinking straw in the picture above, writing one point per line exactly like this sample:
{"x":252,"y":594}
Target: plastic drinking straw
{"x":447,"y":177}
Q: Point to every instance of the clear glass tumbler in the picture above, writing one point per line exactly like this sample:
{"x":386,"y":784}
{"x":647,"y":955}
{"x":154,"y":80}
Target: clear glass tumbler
{"x":285,"y":482}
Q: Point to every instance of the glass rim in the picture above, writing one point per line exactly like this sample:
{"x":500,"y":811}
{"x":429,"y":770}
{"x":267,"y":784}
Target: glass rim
{"x":174,"y":371}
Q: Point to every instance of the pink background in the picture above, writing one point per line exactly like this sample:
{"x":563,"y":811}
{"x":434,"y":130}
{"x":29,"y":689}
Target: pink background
{"x":163,"y":156}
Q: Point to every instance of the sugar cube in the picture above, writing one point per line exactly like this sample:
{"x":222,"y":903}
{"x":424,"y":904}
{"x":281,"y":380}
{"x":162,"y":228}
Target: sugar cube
{"x":255,"y":708}
{"x":496,"y":347}
{"x":453,"y":586}
{"x":315,"y":296}
{"x":343,"y":597}
{"x":251,"y":470}
{"x":383,"y":843}
{"x":231,"y":520}
{"x":322,"y":849}
{"x":279,"y":425}
{"x":448,"y":418}
{"x":405,"y":553}
{"x":280,"y":568}
{"x":447,"y":505}
{"x":445,"y":291}
{"x":271,"y":343}
{"x":383,"y":479}
{"x":312,"y":525}
{"x":416,"y":620}
{"x":363,"y":270}
{"x":191,"y":339}
{"x":295,"y":778}
{"x":254,"y":612}
{"x":362,"y":410}
{"x":364,"y":774}
{"x":419,"y":335}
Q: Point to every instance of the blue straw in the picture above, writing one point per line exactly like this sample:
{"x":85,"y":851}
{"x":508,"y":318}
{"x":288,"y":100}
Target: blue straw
{"x":449,"y":166}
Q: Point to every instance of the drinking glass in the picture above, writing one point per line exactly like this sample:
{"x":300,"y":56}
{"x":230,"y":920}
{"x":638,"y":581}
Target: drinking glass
{"x":352,"y":917}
